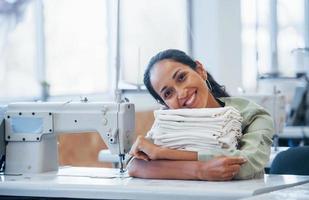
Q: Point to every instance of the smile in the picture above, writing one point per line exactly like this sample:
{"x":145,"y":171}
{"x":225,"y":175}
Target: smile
{"x":190,"y":101}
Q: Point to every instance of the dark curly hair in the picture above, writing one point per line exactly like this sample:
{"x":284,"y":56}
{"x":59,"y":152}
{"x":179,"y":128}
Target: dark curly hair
{"x":179,"y":56}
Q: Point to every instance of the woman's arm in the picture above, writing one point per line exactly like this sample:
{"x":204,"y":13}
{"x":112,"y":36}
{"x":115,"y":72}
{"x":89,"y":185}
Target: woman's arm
{"x":255,"y":148}
{"x":152,"y":161}
{"x":218,"y":169}
{"x":146,"y":150}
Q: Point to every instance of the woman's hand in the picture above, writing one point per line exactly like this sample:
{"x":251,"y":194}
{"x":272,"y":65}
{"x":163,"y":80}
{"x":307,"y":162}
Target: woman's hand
{"x":144,"y":149}
{"x":220,"y":168}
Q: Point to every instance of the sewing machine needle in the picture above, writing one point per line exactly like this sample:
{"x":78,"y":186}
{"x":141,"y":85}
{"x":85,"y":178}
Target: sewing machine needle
{"x":121,"y":159}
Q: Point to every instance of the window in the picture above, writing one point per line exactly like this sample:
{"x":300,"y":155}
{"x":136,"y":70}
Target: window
{"x":146,"y":28}
{"x":271,"y":31}
{"x":67,"y":47}
{"x":18,"y":70}
{"x":290,"y":34}
{"x":76,"y":46}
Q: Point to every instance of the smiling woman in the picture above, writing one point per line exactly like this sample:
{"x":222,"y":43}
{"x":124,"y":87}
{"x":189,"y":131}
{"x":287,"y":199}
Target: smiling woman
{"x":181,"y":67}
{"x":188,"y":83}
{"x":178,"y":82}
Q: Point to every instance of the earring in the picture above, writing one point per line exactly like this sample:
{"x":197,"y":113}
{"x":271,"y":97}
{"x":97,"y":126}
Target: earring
{"x":208,"y":85}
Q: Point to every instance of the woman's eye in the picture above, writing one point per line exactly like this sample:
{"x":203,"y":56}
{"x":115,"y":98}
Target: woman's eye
{"x":167,"y":93}
{"x":182,"y":77}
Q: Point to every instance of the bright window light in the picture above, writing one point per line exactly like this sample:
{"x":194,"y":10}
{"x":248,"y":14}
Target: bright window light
{"x":17,"y":51}
{"x":76,"y":46}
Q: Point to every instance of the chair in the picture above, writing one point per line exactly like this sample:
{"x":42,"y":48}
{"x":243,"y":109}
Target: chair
{"x":292,"y":161}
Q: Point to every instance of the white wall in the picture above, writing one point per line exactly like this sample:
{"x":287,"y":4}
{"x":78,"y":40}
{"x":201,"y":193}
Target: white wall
{"x":216,"y":37}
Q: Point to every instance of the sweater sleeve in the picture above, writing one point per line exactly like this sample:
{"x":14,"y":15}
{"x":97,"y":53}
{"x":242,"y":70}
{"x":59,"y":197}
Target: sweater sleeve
{"x":255,"y":144}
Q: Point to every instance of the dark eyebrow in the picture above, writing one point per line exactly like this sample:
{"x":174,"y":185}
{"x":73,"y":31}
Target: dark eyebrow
{"x":174,"y":75}
{"x":163,"y":89}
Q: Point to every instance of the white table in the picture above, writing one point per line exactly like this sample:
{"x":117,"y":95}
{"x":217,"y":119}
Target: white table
{"x":100,"y":183}
{"x":300,"y":192}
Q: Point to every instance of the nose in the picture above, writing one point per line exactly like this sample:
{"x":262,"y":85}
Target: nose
{"x":182,"y":93}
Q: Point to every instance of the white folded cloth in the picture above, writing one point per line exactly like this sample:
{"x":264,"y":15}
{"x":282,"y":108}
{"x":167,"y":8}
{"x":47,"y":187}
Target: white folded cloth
{"x":197,"y":129}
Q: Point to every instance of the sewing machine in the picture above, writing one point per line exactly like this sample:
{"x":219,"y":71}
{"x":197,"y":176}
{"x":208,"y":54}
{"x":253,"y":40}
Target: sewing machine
{"x":30,"y":131}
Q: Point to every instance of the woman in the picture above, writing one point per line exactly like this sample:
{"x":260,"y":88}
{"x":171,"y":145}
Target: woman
{"x":176,"y":81}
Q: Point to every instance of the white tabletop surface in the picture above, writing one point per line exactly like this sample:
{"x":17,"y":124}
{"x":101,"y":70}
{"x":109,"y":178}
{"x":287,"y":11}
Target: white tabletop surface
{"x":300,"y":192}
{"x":105,"y":183}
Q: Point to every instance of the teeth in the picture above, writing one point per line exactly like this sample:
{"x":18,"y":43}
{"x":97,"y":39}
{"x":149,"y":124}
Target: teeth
{"x":189,"y":101}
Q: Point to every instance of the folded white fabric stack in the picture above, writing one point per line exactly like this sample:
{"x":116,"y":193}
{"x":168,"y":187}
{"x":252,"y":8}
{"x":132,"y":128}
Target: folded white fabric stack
{"x":197,"y":129}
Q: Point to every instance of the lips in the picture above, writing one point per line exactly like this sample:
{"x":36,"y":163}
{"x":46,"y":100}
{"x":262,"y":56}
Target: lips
{"x":190,"y":101}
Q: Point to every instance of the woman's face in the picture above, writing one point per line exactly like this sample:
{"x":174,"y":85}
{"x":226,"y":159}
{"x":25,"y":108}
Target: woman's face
{"x":179,"y":85}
